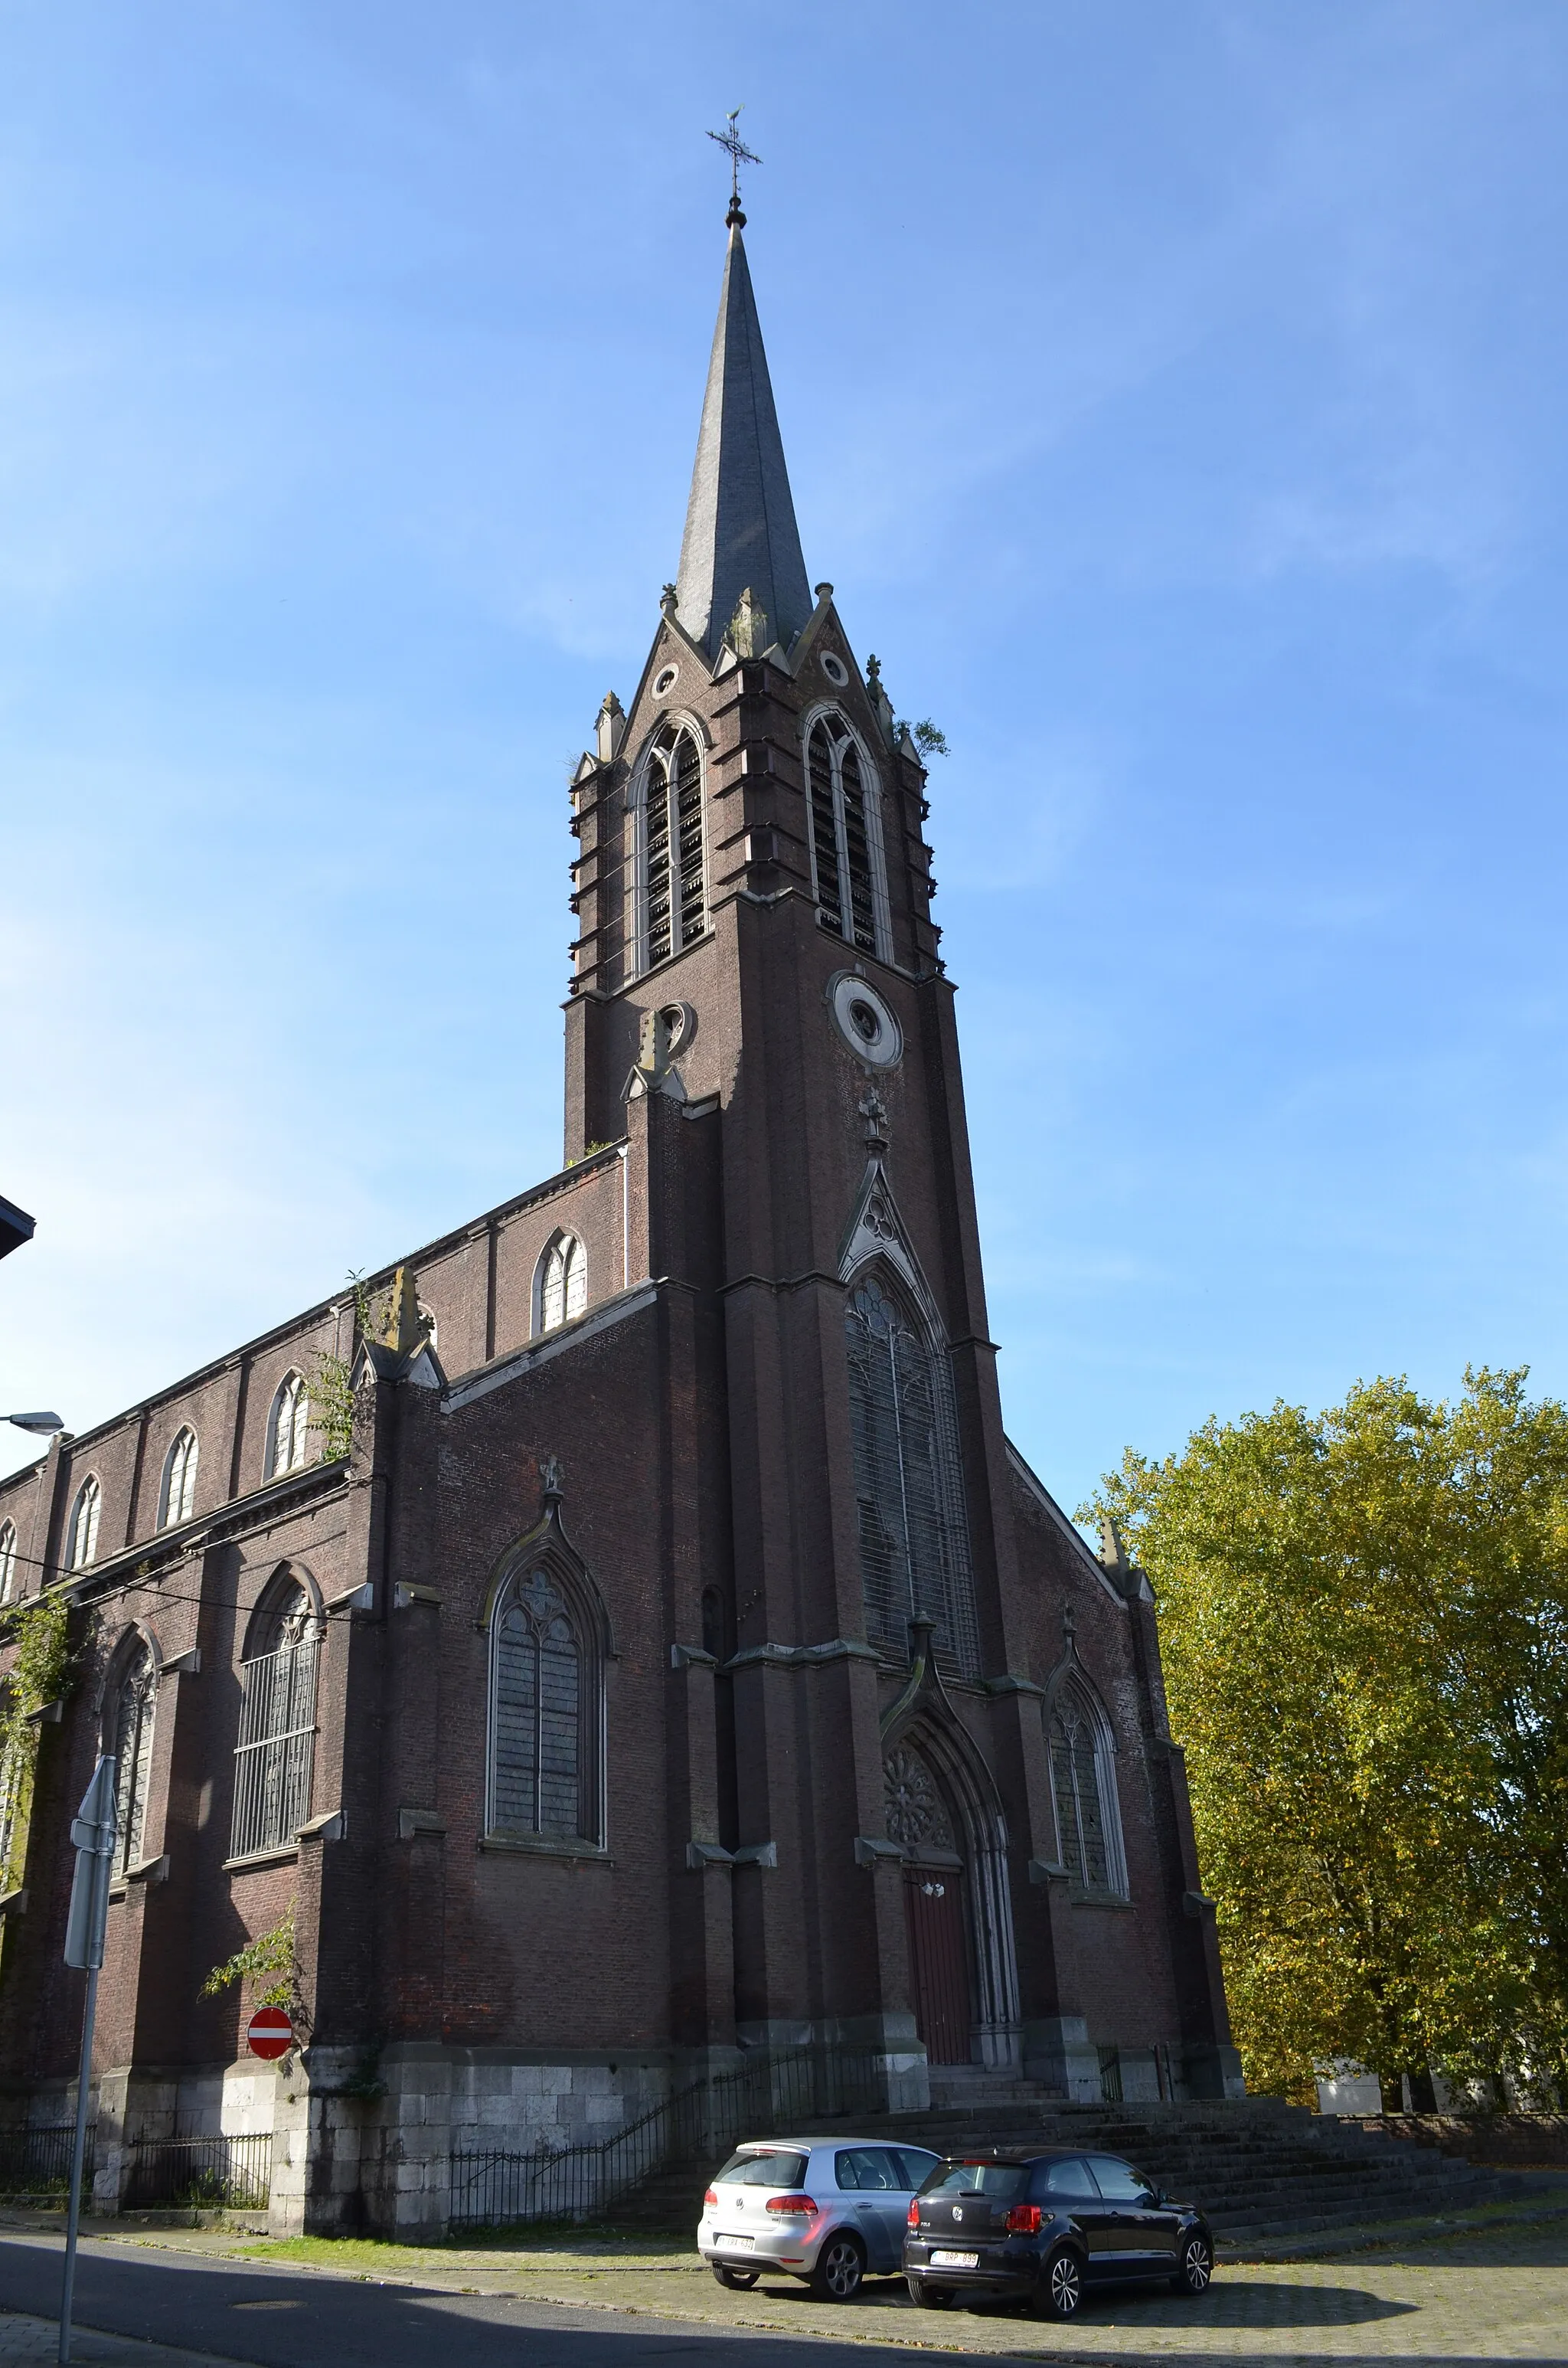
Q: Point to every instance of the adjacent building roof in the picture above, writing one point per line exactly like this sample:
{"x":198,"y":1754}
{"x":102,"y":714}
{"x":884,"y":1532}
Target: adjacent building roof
{"x":16,"y":1227}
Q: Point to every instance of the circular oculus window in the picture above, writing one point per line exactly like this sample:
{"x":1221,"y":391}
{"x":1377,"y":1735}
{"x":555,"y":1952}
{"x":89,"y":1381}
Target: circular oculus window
{"x":665,"y":680}
{"x":864,"y":1020}
{"x":834,"y":668}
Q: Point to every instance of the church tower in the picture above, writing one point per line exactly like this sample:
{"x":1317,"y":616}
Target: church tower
{"x":760,"y":1006}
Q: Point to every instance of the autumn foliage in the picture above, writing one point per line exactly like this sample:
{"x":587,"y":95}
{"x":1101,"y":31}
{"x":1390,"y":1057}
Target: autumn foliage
{"x":1364,"y":1616}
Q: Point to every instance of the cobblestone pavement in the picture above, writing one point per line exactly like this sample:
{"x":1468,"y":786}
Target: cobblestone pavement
{"x":1498,"y":2292}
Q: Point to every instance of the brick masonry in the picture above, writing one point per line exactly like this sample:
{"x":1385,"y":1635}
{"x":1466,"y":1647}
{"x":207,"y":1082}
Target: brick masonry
{"x":683,"y":1448}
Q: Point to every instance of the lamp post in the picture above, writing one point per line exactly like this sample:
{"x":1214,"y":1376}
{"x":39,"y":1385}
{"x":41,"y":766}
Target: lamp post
{"x":44,"y":1424}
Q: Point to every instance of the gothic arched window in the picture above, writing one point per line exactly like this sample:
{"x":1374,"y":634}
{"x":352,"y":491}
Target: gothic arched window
{"x":276,"y":1751}
{"x":7,"y":1559}
{"x":562,"y":1283}
{"x":1082,"y":1787}
{"x":134,"y":1709}
{"x":674,"y":873}
{"x":82,"y":1532}
{"x":845,"y":855}
{"x":288,"y":1420}
{"x":914,"y":1547}
{"x":176,"y":1495}
{"x":546,"y":1711}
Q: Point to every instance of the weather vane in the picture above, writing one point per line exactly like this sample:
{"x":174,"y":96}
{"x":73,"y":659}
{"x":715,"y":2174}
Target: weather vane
{"x":735,"y":148}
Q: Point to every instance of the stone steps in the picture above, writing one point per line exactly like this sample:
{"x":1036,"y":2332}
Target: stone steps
{"x":1259,"y":2168}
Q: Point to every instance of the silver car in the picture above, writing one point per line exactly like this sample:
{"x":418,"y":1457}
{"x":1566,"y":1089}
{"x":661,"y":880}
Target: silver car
{"x":828,"y":2210}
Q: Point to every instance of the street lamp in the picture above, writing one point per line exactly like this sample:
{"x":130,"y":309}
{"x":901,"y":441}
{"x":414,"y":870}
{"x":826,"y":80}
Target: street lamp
{"x":42,"y":1423}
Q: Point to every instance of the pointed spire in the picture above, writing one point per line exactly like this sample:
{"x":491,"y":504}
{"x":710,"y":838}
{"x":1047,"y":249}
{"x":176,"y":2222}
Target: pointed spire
{"x":741,"y":542}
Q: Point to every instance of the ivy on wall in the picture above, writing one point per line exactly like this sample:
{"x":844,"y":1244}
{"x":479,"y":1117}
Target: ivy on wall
{"x":41,"y":1672}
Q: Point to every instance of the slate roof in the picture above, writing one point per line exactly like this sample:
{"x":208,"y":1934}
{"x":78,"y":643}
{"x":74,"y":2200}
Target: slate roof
{"x":740,"y":522}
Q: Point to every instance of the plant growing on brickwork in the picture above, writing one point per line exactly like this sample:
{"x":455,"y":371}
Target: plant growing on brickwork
{"x":1364,"y":1625}
{"x":331,"y":1383}
{"x":270,"y":1954}
{"x":41,"y":1672}
{"x":928,"y":740}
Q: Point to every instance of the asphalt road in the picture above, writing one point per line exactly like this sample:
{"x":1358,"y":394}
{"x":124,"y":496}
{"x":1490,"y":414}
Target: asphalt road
{"x":277,"y":2318}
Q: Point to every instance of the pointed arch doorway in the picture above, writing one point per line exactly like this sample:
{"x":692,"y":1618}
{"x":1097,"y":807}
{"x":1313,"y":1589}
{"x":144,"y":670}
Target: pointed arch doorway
{"x":936,"y":1919}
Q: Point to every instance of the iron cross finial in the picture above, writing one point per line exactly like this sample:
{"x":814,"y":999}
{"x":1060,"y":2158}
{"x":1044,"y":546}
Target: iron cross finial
{"x":734,"y":148}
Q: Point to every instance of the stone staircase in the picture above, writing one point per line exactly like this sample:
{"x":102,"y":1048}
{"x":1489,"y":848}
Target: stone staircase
{"x":1261,"y":2169}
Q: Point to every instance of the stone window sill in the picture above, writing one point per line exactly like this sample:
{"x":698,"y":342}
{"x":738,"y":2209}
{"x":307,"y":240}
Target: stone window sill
{"x":536,"y":1846}
{"x":1113,"y":1899}
{"x":261,"y":1858}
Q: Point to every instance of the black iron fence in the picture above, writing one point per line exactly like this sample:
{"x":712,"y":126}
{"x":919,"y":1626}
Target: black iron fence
{"x":232,"y":2171}
{"x":34,"y":2165}
{"x":769,"y":2094}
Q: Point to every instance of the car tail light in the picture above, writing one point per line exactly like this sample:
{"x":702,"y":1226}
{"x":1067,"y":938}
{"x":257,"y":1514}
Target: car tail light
{"x":712,"y":2196}
{"x":1023,"y":2220}
{"x":798,"y":2207}
{"x":915,"y":2212}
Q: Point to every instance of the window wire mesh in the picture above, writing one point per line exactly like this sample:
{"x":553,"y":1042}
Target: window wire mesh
{"x":133,"y":1754}
{"x":538,"y":1786}
{"x":914,"y":1542}
{"x":277,"y":1747}
{"x":1081,"y":1784}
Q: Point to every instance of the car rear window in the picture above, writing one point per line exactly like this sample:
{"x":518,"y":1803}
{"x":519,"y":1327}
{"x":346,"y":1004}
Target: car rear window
{"x":764,"y":2166}
{"x":1005,"y":2180}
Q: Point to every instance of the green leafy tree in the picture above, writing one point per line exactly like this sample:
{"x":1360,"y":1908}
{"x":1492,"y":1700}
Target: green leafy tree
{"x":1364,"y":1618}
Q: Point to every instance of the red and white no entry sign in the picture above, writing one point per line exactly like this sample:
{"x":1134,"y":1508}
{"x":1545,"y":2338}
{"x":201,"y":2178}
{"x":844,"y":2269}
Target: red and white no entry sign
{"x":270,"y":2033}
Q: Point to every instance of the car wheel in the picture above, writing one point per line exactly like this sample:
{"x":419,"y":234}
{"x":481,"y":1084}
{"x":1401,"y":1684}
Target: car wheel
{"x":1060,"y":2288}
{"x":839,"y":2267}
{"x":740,"y":2281}
{"x":1196,"y":2266}
{"x":930,"y":2298}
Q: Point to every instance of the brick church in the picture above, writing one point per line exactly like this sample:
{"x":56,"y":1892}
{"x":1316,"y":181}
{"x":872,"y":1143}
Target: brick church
{"x":624,"y":1636}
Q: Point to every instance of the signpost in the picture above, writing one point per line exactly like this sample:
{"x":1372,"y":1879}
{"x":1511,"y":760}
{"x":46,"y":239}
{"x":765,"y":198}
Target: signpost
{"x":269,"y":2034}
{"x":93,"y":1833}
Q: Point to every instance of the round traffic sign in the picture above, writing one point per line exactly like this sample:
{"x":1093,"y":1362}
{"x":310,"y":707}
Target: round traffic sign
{"x":270,"y":2032}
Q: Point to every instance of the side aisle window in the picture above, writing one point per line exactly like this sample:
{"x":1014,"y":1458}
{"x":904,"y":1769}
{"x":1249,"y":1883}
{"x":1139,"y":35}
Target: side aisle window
{"x":275,"y":1755}
{"x":1082,"y":1785}
{"x":134,"y":1705}
{"x":547,"y":1709}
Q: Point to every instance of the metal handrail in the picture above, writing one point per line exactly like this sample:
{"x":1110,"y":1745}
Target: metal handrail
{"x":785,"y":2089}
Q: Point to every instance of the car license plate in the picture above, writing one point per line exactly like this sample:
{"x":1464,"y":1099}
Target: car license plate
{"x":955,"y":2261}
{"x":737,"y":2244}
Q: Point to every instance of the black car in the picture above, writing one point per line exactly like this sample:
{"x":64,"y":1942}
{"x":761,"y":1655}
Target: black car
{"x":1047,"y":2227}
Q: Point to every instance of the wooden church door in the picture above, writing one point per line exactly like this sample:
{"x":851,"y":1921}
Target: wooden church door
{"x":939,"y":1961}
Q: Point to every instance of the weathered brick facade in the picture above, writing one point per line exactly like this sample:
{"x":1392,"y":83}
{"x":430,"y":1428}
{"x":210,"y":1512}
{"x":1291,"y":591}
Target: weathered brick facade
{"x":679,"y":1461}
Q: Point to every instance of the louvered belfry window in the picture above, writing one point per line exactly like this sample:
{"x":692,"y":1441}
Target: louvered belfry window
{"x":673,"y":871}
{"x":841,"y":845}
{"x":276,"y":1753}
{"x":540,"y":1756}
{"x":913,"y":1543}
{"x":1082,"y":1785}
{"x":133,"y":1752}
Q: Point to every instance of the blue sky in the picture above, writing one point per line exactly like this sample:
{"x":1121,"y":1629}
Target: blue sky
{"x":1174,"y":397}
